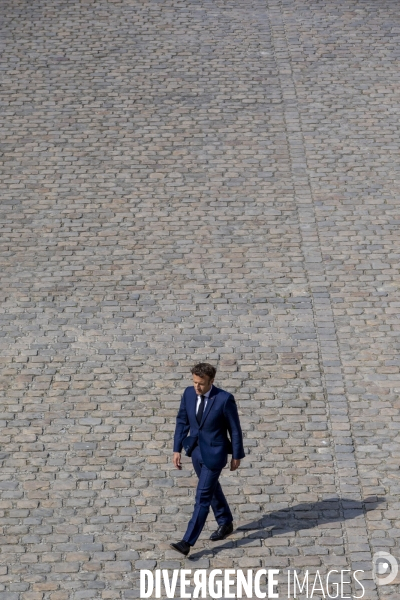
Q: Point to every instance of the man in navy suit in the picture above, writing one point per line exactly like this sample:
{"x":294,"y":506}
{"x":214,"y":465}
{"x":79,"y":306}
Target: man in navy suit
{"x":210,"y":414}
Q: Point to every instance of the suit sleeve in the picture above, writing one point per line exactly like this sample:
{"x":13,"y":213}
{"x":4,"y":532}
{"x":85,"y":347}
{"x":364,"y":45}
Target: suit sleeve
{"x":182,"y":426}
{"x":235,"y":430}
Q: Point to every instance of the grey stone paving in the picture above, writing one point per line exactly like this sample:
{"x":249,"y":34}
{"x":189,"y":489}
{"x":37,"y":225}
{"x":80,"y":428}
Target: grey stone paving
{"x":187,"y":181}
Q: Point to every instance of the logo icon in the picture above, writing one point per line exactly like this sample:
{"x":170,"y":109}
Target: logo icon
{"x":384,"y":568}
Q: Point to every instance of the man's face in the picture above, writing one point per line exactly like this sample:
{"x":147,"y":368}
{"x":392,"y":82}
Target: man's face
{"x":202,"y":384}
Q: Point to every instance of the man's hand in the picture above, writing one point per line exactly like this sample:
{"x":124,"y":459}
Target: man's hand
{"x":235,"y":462}
{"x":177,"y":460}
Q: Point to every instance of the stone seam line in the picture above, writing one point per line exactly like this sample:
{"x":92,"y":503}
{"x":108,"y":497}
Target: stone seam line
{"x":337,"y":405}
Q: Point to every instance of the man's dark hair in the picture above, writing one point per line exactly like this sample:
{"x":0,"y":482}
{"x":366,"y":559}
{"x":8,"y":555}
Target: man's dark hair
{"x":202,"y":369}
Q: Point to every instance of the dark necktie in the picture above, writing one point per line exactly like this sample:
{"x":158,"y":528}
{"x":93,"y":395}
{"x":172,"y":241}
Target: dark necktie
{"x":199,"y":413}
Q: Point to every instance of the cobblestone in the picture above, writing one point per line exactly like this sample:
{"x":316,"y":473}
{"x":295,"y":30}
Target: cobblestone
{"x":184,"y":182}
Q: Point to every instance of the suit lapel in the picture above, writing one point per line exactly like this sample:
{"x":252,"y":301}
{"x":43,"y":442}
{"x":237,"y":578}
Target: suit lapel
{"x":210,"y":401}
{"x":192,"y":406}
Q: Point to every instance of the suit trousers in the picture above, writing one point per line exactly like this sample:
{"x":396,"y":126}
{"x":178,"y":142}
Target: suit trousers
{"x":209,"y":493}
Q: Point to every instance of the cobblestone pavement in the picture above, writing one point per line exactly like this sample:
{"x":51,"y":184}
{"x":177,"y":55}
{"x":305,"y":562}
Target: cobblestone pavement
{"x":187,"y":181}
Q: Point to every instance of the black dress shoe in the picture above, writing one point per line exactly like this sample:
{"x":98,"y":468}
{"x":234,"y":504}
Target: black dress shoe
{"x":222,"y":532}
{"x":182,"y":547}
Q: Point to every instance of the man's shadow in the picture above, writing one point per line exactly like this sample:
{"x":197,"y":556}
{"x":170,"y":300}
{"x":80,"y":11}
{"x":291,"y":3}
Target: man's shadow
{"x":302,"y":516}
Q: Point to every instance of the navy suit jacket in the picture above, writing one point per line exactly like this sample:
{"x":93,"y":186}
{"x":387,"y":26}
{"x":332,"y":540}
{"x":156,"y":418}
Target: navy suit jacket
{"x":220,"y":417}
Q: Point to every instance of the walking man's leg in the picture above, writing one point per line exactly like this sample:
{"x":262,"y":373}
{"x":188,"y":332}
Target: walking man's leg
{"x":219,"y":504}
{"x":208,"y":493}
{"x":220,"y":507}
{"x":204,"y":494}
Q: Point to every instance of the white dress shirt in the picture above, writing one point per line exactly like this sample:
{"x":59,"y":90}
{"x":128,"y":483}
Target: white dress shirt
{"x":206,"y":396}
